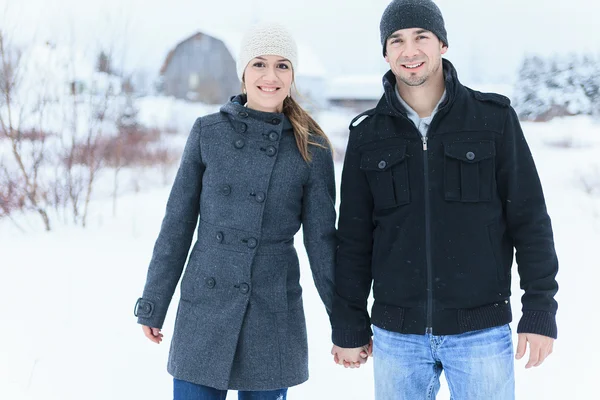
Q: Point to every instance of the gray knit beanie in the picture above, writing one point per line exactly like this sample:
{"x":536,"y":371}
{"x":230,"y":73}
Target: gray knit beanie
{"x":266,"y":39}
{"x":404,"y":14}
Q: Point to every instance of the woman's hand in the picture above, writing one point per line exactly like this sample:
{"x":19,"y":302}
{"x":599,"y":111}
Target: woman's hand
{"x":153,"y":334}
{"x":352,"y":358}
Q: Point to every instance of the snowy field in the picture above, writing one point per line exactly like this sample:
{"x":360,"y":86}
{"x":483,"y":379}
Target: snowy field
{"x":66,"y":298}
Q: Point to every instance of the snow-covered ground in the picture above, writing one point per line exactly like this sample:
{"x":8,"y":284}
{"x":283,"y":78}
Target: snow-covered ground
{"x":66,"y":298}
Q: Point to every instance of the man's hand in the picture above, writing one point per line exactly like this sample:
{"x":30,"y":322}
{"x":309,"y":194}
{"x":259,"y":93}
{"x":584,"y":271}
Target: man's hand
{"x":153,"y":334}
{"x":540,"y":347}
{"x":352,"y":358}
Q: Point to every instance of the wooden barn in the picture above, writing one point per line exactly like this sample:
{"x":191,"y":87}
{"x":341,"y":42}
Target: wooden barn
{"x":200,"y":68}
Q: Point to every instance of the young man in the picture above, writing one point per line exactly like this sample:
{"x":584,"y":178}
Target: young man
{"x":438,"y":188}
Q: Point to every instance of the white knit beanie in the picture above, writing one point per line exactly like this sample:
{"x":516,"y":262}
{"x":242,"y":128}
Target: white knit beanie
{"x":266,"y":39}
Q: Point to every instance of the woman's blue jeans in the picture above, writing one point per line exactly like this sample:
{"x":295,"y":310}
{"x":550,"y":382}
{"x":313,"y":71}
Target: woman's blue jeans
{"x":183,"y":390}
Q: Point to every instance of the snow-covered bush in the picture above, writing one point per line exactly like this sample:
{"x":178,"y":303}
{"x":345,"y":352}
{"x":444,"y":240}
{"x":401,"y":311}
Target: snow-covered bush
{"x":558,"y":86}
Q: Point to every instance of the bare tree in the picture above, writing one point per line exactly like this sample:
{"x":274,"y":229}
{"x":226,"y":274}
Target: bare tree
{"x":93,"y":144}
{"x":11,"y":113}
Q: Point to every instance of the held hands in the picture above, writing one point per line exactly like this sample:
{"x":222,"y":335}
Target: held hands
{"x":540,"y":347}
{"x":153,"y":334}
{"x":352,"y":358}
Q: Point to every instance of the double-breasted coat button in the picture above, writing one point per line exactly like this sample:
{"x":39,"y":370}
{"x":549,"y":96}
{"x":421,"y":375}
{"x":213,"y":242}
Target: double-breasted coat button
{"x":243,"y":128}
{"x":271,"y":151}
{"x":243,"y":114}
{"x":244,"y":288}
{"x":239,"y":143}
{"x":260,"y":197}
{"x":470,"y":156}
{"x":275,"y":121}
{"x":252,"y":243}
{"x":226,"y":190}
{"x":219,"y":236}
{"x":210,"y":282}
{"x":382,"y":164}
{"x":273,"y":136}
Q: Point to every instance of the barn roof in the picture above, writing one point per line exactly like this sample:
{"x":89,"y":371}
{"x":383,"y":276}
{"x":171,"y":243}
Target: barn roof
{"x":195,"y":36}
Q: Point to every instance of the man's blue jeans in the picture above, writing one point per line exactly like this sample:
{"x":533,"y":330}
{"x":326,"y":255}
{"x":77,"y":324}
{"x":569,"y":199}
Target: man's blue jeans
{"x":183,"y":390}
{"x":478,"y":365}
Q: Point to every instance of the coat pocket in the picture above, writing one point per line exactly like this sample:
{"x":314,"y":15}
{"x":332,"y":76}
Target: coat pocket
{"x":387,"y":173}
{"x":469,"y":171}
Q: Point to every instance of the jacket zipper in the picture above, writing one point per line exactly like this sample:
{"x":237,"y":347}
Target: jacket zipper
{"x":428,"y":261}
{"x":429,"y":326}
{"x":428,"y":247}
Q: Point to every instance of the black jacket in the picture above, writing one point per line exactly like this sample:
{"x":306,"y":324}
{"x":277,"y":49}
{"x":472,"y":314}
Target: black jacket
{"x":432,"y":223}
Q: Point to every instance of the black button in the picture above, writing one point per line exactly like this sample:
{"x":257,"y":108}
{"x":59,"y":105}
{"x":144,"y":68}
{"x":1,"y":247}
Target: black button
{"x":243,"y":128}
{"x":470,"y":156}
{"x":244,"y":288}
{"x":142,"y":308}
{"x":252,"y":243}
{"x":271,"y":151}
{"x":260,"y":197}
{"x":239,"y":143}
{"x":382,"y":164}
{"x":219,"y":237}
{"x":243,"y":114}
{"x":226,"y":190}
{"x":210,"y":282}
{"x":275,"y":121}
{"x":273,"y":136}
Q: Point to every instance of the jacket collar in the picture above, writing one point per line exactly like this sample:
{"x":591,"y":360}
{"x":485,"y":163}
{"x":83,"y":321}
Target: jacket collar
{"x":235,"y":109}
{"x":390,"y":105}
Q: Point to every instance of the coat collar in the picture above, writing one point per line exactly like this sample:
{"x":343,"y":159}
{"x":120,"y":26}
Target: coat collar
{"x":390,"y":105}
{"x":236,"y":110}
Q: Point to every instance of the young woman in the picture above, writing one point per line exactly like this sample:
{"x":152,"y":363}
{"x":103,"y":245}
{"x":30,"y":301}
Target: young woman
{"x":250,"y":175}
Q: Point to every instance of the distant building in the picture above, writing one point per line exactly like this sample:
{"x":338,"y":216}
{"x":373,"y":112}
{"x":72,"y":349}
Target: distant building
{"x":357,"y":92}
{"x":200,"y":68}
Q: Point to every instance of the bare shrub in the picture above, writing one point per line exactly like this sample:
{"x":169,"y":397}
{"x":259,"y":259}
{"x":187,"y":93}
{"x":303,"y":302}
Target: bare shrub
{"x":27,"y":159}
{"x":566,"y":142}
{"x":60,"y":132}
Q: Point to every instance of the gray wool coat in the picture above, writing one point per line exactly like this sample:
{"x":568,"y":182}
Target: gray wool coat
{"x":243,"y":183}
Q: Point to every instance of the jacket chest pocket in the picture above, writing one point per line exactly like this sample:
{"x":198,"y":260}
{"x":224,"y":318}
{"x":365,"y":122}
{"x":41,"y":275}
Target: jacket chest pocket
{"x":387,"y":173}
{"x":469,"y":171}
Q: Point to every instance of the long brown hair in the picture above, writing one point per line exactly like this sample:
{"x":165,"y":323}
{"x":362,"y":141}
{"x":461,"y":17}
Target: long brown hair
{"x":304,"y":126}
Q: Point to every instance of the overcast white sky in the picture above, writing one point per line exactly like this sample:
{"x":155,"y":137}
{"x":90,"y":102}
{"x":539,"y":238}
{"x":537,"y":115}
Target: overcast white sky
{"x":487,"y":38}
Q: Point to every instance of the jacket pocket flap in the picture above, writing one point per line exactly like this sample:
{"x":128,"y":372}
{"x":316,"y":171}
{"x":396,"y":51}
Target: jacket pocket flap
{"x":470,"y":152}
{"x":382,"y":159}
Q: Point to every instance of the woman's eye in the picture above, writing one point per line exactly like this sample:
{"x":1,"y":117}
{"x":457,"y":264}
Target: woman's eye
{"x":259,"y":64}
{"x":283,"y":66}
